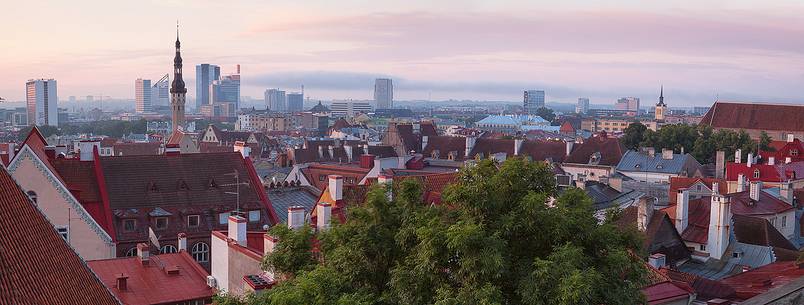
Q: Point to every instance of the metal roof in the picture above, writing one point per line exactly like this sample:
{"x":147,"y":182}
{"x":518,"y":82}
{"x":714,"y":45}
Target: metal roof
{"x":634,"y":161}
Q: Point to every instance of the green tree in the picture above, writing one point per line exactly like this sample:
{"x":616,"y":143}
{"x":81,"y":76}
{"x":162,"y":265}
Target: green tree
{"x":546,"y":113}
{"x":45,"y":130}
{"x":726,"y":140}
{"x":633,"y":135}
{"x":494,"y":241}
{"x":675,"y":137}
{"x":765,"y":141}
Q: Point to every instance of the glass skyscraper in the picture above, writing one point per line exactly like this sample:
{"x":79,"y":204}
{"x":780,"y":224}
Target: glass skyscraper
{"x":205,"y":74}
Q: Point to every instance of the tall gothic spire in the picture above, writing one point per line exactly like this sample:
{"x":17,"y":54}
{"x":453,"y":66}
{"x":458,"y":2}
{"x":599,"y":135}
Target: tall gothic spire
{"x":178,"y":83}
{"x":661,"y":96}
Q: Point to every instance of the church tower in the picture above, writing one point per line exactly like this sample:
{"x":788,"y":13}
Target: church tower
{"x":177,"y":90}
{"x":661,"y":108}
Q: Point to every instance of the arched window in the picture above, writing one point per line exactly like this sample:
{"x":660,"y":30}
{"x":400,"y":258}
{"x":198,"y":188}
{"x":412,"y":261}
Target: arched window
{"x":131,"y":252}
{"x":32,"y":195}
{"x":167,"y":249}
{"x":200,"y":252}
{"x":756,"y":174}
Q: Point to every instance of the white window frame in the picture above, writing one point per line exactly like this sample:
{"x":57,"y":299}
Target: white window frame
{"x":223,"y":218}
{"x":168,"y":249}
{"x":156,"y":223}
{"x":131,"y":252}
{"x":200,"y":252}
{"x":64,"y":232}
{"x":254,"y":216}
{"x":198,"y":222}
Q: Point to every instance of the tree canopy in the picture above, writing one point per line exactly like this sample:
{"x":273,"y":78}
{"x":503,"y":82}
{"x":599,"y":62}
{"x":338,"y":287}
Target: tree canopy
{"x":700,"y":141}
{"x":112,"y":128}
{"x":495,"y":240}
{"x":546,"y":113}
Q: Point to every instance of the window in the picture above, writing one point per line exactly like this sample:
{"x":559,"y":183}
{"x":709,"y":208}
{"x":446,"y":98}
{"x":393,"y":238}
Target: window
{"x":168,"y":249}
{"x":129,"y":225}
{"x":322,"y":177}
{"x":794,"y":152}
{"x":756,"y":174}
{"x":702,"y":247}
{"x":193,"y":221}
{"x":131,"y":252}
{"x":223,"y":218}
{"x":784,"y":221}
{"x":161,"y":223}
{"x":32,"y":195}
{"x":200,"y":252}
{"x":64,"y":232}
{"x":254,"y":216}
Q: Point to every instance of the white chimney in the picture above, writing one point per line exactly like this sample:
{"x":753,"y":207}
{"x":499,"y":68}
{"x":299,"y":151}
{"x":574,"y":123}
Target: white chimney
{"x":387,"y":180}
{"x":756,"y":189}
{"x":518,"y":146}
{"x":740,"y":182}
{"x":715,"y":189}
{"x":568,"y":150}
{"x":682,"y":210}
{"x":182,"y":242}
{"x":268,"y":243}
{"x":335,"y":187}
{"x":320,"y":152}
{"x":295,"y":217}
{"x":237,"y":229}
{"x":470,"y":144}
{"x":425,"y":139}
{"x":324,"y":215}
{"x":786,"y":192}
{"x":331,"y":150}
{"x":86,"y":149}
{"x":790,"y":137}
{"x":750,"y":160}
{"x":645,"y":212}
{"x":738,"y":156}
{"x":417,"y":128}
{"x":667,"y":154}
{"x":144,"y":253}
{"x":242,"y":148}
{"x":771,"y":161}
{"x":651,"y":151}
{"x":365,"y":149}
{"x":657,"y":260}
{"x":787,"y":160}
{"x":719,"y":221}
{"x":348,"y":150}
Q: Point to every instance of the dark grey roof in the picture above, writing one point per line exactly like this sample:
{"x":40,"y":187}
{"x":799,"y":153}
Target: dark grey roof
{"x":284,"y":197}
{"x":634,"y":161}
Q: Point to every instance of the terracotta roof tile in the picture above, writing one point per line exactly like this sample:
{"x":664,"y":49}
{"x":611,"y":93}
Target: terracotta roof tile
{"x":610,"y":149}
{"x":757,"y":281}
{"x":755,"y":116}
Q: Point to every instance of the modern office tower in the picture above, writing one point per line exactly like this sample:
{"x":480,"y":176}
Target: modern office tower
{"x":204,"y":75}
{"x":295,"y":101}
{"x":275,"y":100}
{"x":160,"y":92}
{"x":142,"y":95}
{"x":583,"y":105}
{"x":384,"y":93}
{"x":533,"y":100}
{"x":228,"y":90}
{"x":42,"y":102}
{"x":628,"y":103}
{"x":349,"y":108}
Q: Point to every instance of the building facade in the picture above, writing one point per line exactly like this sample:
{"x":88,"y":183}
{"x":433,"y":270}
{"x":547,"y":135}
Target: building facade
{"x":295,"y":101}
{"x":275,"y":100}
{"x":583,"y":105}
{"x":42,"y":102}
{"x":178,"y":92}
{"x":142,"y":95}
{"x":629,"y":104}
{"x":160,"y":92}
{"x":384,"y":93}
{"x":533,"y":100}
{"x":204,"y":75}
{"x":349,"y":108}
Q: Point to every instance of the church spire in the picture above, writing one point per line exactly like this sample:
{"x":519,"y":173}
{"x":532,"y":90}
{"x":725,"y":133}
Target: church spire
{"x":177,"y":89}
{"x":661,"y":96}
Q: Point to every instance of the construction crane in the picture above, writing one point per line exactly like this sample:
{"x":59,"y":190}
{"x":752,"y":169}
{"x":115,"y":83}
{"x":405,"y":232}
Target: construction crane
{"x":161,"y":80}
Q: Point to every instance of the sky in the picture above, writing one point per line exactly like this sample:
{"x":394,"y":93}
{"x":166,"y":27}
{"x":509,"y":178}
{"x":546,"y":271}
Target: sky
{"x":699,"y":51}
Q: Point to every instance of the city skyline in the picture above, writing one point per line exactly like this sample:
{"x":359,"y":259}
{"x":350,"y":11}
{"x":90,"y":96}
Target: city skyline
{"x":700,"y":52}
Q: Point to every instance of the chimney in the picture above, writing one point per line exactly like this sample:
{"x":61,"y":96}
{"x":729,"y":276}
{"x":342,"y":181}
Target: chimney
{"x":320,"y":152}
{"x":750,"y":160}
{"x":144,"y":253}
{"x":425,"y":139}
{"x":50,"y":151}
{"x":242,"y":148}
{"x":387,"y":180}
{"x":740,"y":183}
{"x":172,"y":150}
{"x":470,"y":144}
{"x":790,"y":137}
{"x":182,"y":242}
{"x":581,"y":184}
{"x":616,"y":183}
{"x":644,"y":213}
{"x":237,"y":229}
{"x":269,"y":243}
{"x":295,"y":217}
{"x":324,"y":215}
{"x":86,"y":150}
{"x":335,"y":187}
{"x":651,"y":152}
{"x":367,"y":161}
{"x":786,"y":192}
{"x":755,"y":190}
{"x":682,"y":210}
{"x":787,"y":160}
{"x":331,"y":150}
{"x":771,"y":161}
{"x":667,"y":154}
{"x":348,"y":150}
{"x":720,"y":164}
{"x":657,"y":260}
{"x":365,"y":149}
{"x":518,"y":146}
{"x":738,"y":156}
{"x":568,"y":149}
{"x":719,"y":222}
{"x":122,"y":281}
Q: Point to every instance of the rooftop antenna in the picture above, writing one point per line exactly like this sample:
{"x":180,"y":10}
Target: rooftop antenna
{"x":237,"y":189}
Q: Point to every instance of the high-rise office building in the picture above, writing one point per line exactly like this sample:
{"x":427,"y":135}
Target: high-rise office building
{"x":628,"y":104}
{"x":142,"y":95}
{"x":275,"y":100}
{"x":42,"y":102}
{"x":533,"y":100}
{"x":384,"y":93}
{"x":583,"y":105}
{"x":205,"y":74}
{"x":228,"y":90}
{"x":295,"y":101}
{"x":160,"y":92}
{"x":349,"y":108}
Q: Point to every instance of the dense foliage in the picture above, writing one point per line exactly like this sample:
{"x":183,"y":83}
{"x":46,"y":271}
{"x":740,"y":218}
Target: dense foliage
{"x":700,"y":141}
{"x":110,"y":128}
{"x":495,"y":241}
{"x":546,"y":113}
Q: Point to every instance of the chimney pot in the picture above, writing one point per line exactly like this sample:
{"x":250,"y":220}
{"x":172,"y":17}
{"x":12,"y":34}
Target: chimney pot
{"x":790,"y":137}
{"x":323,"y":216}
{"x":269,"y":243}
{"x":237,"y":229}
{"x":738,"y":156}
{"x":740,"y":182}
{"x":367,"y":161}
{"x":682,"y":210}
{"x":756,"y":189}
{"x":657,"y":260}
{"x":182,"y":242}
{"x":771,"y":161}
{"x":335,"y":187}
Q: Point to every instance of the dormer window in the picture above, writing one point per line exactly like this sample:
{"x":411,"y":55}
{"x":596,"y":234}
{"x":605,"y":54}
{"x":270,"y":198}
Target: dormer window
{"x":794,"y":152}
{"x":434,"y":154}
{"x":212,"y":184}
{"x":756,"y":174}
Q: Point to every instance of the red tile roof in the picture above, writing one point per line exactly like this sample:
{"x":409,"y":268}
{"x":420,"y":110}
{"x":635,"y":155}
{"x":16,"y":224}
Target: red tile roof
{"x":757,"y":281}
{"x":758,"y":231}
{"x":767,"y":173}
{"x":741,"y":204}
{"x":446,"y":145}
{"x":38,"y":267}
{"x":317,"y":174}
{"x":432,"y":184}
{"x":151,"y":283}
{"x":698,"y":220}
{"x":610,"y":149}
{"x":703,"y":287}
{"x":543,"y":150}
{"x":680,"y":183}
{"x":755,"y":116}
{"x":782,"y":149}
{"x":664,"y":292}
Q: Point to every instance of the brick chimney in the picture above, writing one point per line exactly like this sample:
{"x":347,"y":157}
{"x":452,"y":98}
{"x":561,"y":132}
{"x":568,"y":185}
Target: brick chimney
{"x":644,"y":213}
{"x":719,"y":224}
{"x":144,"y":253}
{"x":237,"y":229}
{"x":295,"y":217}
{"x":122,"y":281}
{"x":335,"y":187}
{"x":367,"y":161}
{"x":323,"y":215}
{"x":786,"y":192}
{"x":50,"y":151}
{"x":172,"y":150}
{"x":425,"y":140}
{"x":242,"y":148}
{"x":755,"y":190}
{"x":182,"y":242}
{"x":682,"y":210}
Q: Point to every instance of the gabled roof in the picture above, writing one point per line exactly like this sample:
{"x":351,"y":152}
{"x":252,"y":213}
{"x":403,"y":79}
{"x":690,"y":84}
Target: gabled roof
{"x":445,"y":145}
{"x":758,"y":231}
{"x":741,"y":204}
{"x":755,"y":116}
{"x":768,"y":173}
{"x":38,"y":266}
{"x":610,"y":150}
{"x":543,"y":150}
{"x":634,"y":161}
{"x":757,"y":281}
{"x":681,"y":183}
{"x":151,"y":283}
{"x":314,"y":173}
{"x":284,"y":197}
{"x":658,"y":221}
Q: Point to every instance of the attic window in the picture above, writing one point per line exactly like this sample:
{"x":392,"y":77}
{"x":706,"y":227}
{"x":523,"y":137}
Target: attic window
{"x":756,"y":174}
{"x":794,"y":152}
{"x":638,"y":165}
{"x":659,"y":166}
{"x":212,"y":184}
